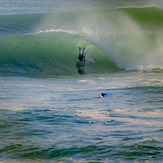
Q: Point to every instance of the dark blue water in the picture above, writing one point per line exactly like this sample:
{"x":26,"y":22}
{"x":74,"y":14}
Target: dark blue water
{"x":52,"y":120}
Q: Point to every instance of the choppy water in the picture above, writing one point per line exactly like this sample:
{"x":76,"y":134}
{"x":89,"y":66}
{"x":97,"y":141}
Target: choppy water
{"x":52,"y":120}
{"x":50,"y":109}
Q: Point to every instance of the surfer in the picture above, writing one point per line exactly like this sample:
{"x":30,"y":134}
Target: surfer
{"x":81,"y":56}
{"x":103,"y":94}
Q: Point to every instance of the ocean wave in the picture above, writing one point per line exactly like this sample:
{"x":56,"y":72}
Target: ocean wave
{"x":50,"y":54}
{"x":47,"y":44}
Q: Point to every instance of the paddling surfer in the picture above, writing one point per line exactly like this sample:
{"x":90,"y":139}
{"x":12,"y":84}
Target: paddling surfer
{"x":103,"y":94}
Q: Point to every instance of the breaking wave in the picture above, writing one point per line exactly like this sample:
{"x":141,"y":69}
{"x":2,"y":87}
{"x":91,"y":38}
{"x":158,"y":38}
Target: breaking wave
{"x":47,"y":44}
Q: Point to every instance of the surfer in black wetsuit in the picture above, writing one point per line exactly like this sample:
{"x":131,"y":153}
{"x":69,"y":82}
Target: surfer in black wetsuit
{"x":103,"y":94}
{"x":81,"y":57}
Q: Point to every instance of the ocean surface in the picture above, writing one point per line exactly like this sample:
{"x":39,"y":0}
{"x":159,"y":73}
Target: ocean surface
{"x":50,"y":109}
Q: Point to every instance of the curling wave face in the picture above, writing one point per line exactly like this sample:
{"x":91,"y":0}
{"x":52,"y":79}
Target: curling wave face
{"x":47,"y":44}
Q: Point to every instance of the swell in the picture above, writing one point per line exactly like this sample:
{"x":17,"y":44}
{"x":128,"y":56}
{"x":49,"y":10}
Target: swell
{"x":140,"y":151}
